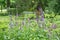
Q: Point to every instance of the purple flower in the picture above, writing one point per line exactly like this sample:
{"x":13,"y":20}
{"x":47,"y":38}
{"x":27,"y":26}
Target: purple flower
{"x":42,"y":18}
{"x":37,"y":19}
{"x":53,"y":26}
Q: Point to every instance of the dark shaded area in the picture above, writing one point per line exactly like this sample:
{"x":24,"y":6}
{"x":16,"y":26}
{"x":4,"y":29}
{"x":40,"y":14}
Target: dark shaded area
{"x":8,"y":3}
{"x":5,"y":14}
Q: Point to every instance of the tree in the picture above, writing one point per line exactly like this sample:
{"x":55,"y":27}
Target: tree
{"x":8,"y":3}
{"x":53,"y":6}
{"x":2,"y":4}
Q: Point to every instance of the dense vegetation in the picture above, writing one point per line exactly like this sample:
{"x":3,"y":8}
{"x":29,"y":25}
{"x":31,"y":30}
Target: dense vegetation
{"x":18,"y":20}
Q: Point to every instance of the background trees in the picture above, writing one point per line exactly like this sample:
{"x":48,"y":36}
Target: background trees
{"x":25,"y":5}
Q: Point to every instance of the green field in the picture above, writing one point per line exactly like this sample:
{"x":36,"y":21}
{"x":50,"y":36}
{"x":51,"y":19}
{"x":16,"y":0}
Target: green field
{"x":29,"y":19}
{"x":29,"y":31}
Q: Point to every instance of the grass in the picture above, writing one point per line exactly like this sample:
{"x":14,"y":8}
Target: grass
{"x":31,"y":31}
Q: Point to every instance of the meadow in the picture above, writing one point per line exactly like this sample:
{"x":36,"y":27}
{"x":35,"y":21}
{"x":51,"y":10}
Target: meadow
{"x":29,"y":19}
{"x":30,"y":30}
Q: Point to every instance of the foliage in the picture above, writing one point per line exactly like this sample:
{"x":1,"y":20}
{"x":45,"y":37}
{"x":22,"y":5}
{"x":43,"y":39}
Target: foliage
{"x":25,"y":5}
{"x":53,"y":6}
{"x":28,"y":34}
{"x":32,"y":32}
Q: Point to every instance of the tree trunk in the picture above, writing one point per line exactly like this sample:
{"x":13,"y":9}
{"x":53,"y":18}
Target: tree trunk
{"x":8,"y":3}
{"x":1,"y":8}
